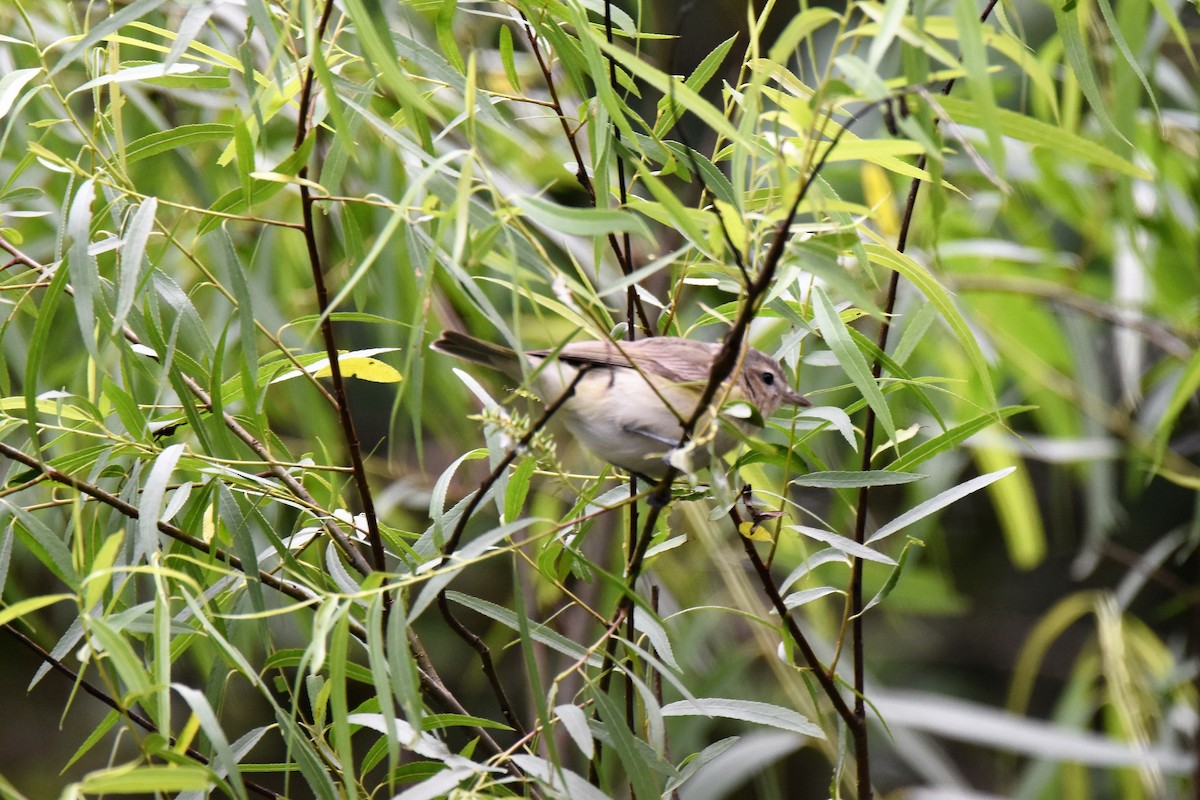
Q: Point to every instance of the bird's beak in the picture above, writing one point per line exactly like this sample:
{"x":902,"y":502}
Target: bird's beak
{"x":793,"y":398}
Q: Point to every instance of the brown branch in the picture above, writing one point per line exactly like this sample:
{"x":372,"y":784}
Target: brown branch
{"x":633,"y":302}
{"x":318,"y":275}
{"x":865,"y":791}
{"x":129,"y":510}
{"x":201,"y":394}
{"x":128,"y":713}
{"x":443,"y":603}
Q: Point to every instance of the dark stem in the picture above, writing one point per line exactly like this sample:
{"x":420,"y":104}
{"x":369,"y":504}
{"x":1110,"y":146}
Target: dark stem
{"x":335,"y":370}
{"x":443,"y":603}
{"x":581,"y":174}
{"x":128,"y":713}
{"x":862,"y":507}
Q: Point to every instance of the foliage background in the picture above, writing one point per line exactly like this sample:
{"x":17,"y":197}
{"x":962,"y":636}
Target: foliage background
{"x":1040,"y":640}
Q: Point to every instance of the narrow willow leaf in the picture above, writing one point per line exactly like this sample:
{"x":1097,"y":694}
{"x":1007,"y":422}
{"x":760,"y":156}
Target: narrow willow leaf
{"x":45,"y":544}
{"x":107,"y":25}
{"x":634,"y":756}
{"x":11,"y":86}
{"x":974,"y":59}
{"x":518,"y":488}
{"x":181,"y":136}
{"x":85,"y":277}
{"x":703,"y":757}
{"x":1042,"y":134}
{"x":937,"y":294}
{"x":380,"y":53}
{"x":441,"y":784}
{"x":1067,"y":23}
{"x":937,"y":503}
{"x":581,"y":221}
{"x":833,"y":331}
{"x":140,"y":73}
{"x":506,"y":58}
{"x":745,"y":710}
{"x":575,"y":722}
{"x":146,"y":780}
{"x":538,"y":632}
{"x":836,"y":417}
{"x":1184,"y":393}
{"x":848,"y":546}
{"x":99,"y":574}
{"x":223,"y":760}
{"x":115,"y":646}
{"x":28,"y":606}
{"x":854,"y":480}
{"x":93,"y":738}
{"x":562,"y":781}
{"x":805,"y":596}
{"x":151,"y":505}
{"x":952,"y":438}
{"x":892,"y":579}
{"x":444,"y":27}
{"x":133,"y":252}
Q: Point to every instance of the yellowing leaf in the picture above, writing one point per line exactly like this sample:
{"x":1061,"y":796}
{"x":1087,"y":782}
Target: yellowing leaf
{"x":355,"y":364}
{"x":368,"y":369}
{"x":755,"y":533}
{"x":878,"y":191}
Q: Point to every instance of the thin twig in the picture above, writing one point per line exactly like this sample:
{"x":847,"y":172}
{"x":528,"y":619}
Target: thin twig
{"x":318,"y":274}
{"x":443,"y":603}
{"x":581,"y":173}
{"x":865,"y":791}
{"x":128,"y":713}
{"x":278,"y":470}
{"x":129,"y":510}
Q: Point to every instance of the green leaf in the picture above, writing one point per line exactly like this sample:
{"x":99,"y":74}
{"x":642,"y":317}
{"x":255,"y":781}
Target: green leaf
{"x":1066,"y":18}
{"x":581,"y":221}
{"x":133,"y":252}
{"x":151,"y":504}
{"x":928,"y":285}
{"x":147,"y":780}
{"x":111,"y":641}
{"x":223,"y":757}
{"x":180,"y":136}
{"x":45,"y":544}
{"x":22,"y":607}
{"x":842,"y":543}
{"x":506,"y":57}
{"x":953,"y":437}
{"x":745,"y":710}
{"x":444,"y":27}
{"x":107,"y":25}
{"x":937,"y":503}
{"x":854,"y":480}
{"x":11,"y":86}
{"x":85,"y":276}
{"x":1042,"y":134}
{"x":833,"y":331}
{"x":538,"y":632}
{"x":518,"y":488}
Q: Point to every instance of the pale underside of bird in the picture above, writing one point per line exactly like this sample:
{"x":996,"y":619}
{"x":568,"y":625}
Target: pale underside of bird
{"x":631,"y":402}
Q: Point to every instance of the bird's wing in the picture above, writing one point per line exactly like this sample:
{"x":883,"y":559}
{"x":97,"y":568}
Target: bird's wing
{"x":664,"y":356}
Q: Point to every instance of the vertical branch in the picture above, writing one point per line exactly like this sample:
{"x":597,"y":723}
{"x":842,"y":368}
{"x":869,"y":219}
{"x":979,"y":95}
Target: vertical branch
{"x":862,"y":505}
{"x":318,"y":276}
{"x":581,"y":173}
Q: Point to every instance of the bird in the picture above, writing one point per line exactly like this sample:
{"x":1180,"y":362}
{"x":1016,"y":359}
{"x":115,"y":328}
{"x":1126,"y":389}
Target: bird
{"x":630,"y":405}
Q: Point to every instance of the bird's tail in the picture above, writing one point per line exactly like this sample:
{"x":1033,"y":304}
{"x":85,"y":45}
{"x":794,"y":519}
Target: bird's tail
{"x":468,"y":348}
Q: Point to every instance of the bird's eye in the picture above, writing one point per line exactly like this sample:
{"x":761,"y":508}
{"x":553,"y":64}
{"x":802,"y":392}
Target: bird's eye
{"x":768,"y":378}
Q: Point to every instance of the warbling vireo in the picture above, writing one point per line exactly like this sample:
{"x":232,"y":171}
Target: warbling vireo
{"x":630,"y":405}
